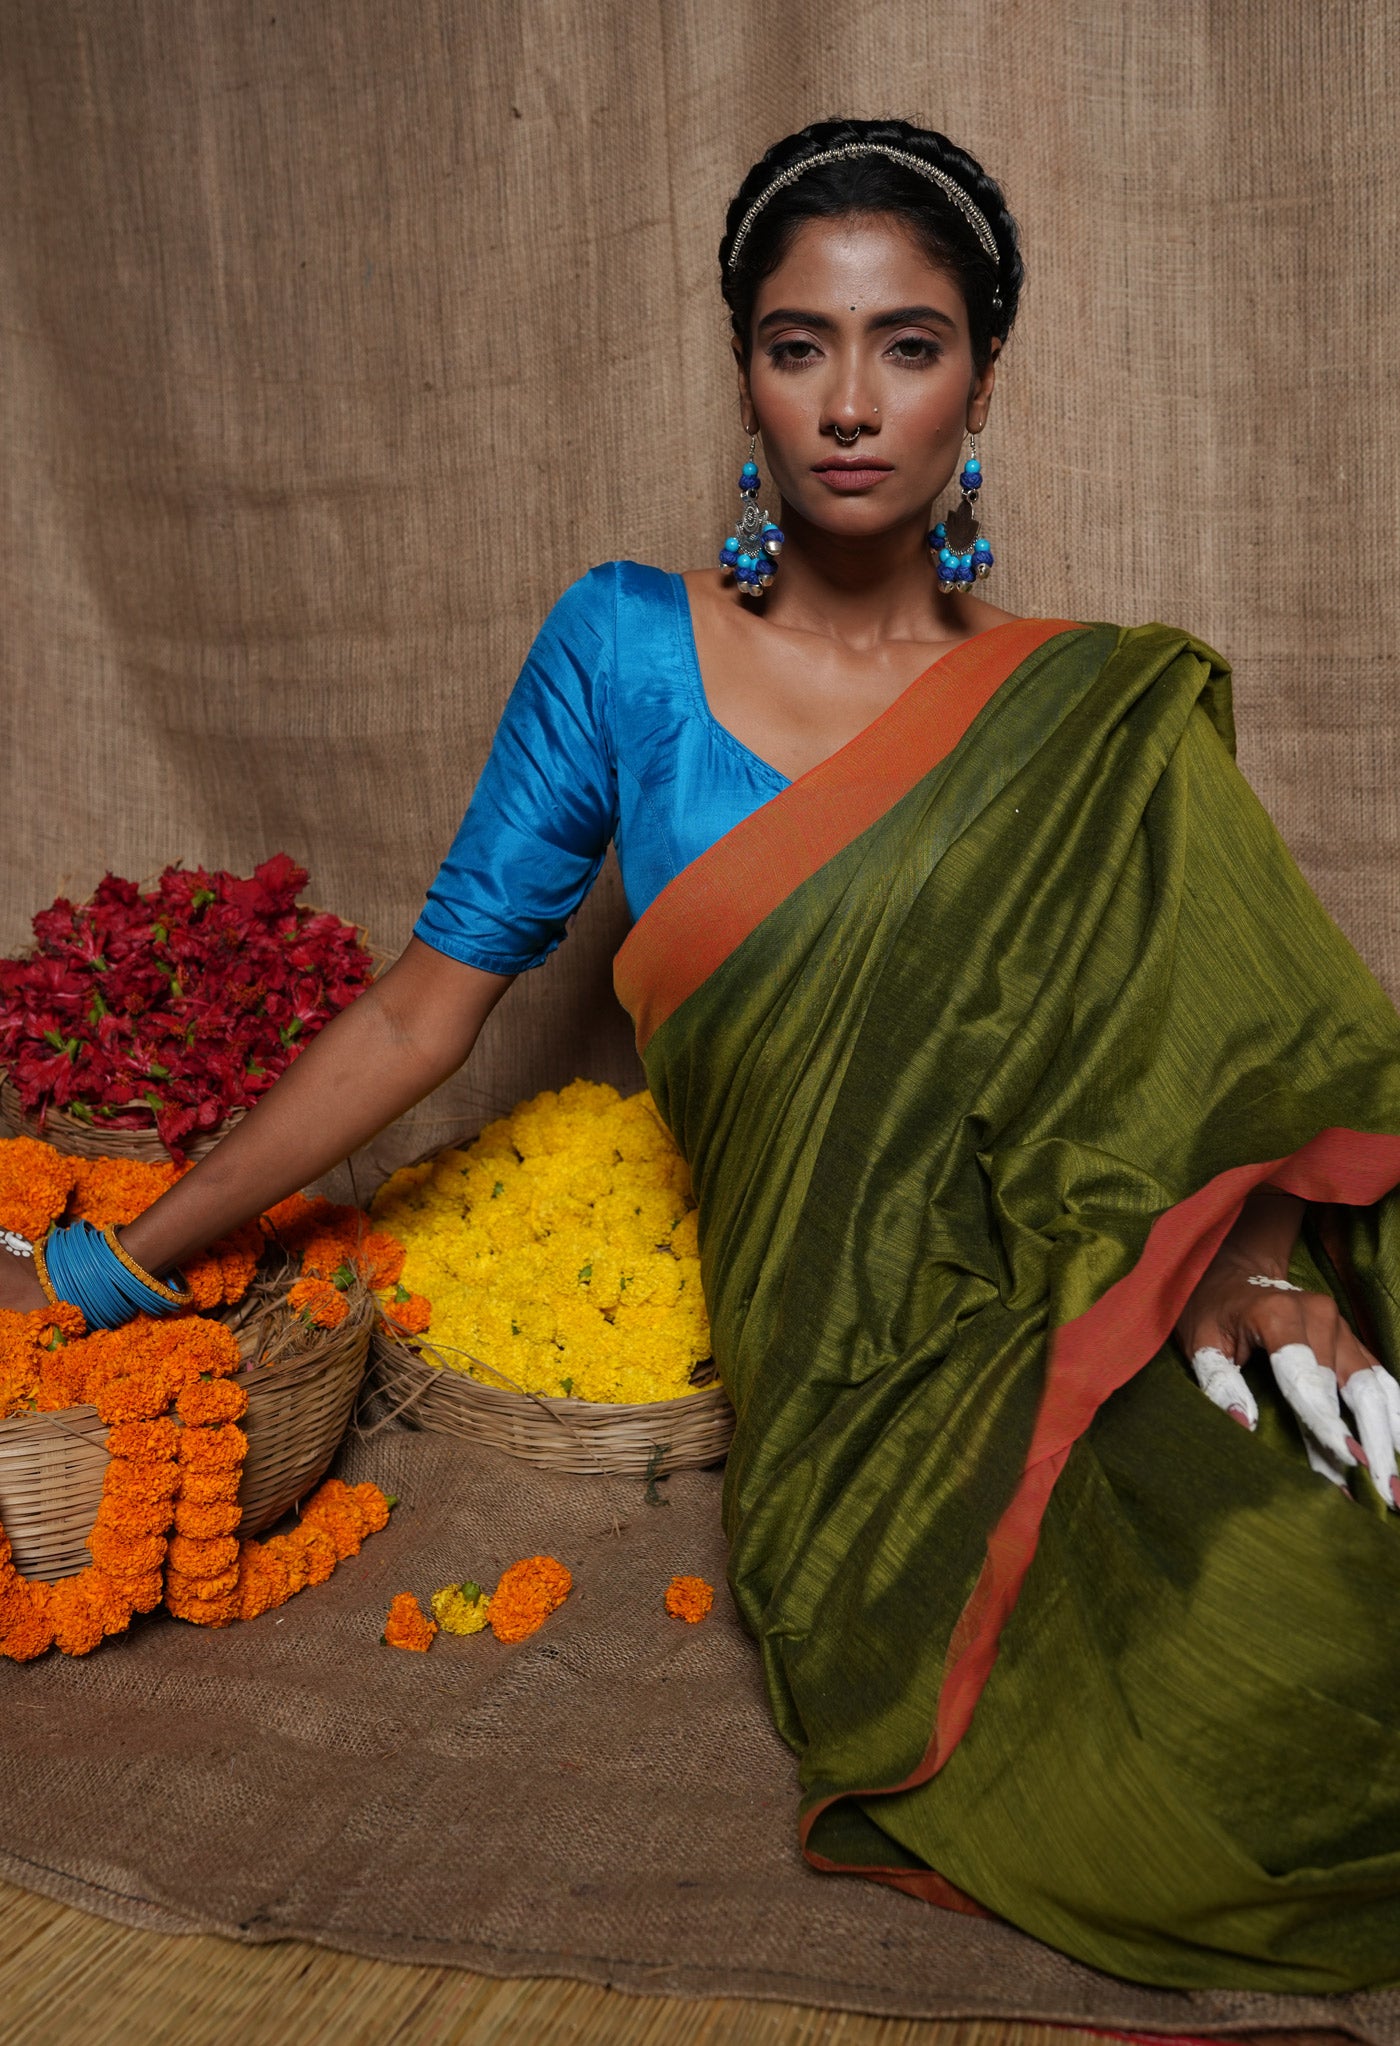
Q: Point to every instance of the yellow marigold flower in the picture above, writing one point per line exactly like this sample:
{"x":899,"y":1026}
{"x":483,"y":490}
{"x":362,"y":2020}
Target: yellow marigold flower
{"x":461,"y":1608}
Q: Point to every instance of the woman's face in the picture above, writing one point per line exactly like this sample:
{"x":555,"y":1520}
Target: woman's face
{"x":857,"y":328}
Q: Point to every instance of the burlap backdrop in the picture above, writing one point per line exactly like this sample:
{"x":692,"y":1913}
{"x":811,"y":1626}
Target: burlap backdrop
{"x":338,"y":339}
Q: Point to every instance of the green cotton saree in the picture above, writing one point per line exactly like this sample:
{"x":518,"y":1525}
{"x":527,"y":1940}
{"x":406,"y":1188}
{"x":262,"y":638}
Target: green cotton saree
{"x":976,"y":1038}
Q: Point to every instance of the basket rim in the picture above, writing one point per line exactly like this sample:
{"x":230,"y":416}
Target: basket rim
{"x":324,"y":1346}
{"x":384,"y":1343}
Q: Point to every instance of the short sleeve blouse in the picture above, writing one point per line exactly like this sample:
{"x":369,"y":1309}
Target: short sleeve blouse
{"x":607,"y":735}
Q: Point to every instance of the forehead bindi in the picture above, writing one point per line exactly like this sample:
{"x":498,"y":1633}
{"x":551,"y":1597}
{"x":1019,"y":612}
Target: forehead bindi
{"x":861,"y":264}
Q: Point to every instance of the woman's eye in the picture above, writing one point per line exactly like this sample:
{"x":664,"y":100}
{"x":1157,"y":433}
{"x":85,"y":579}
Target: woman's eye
{"x":789,"y":354}
{"x":915,"y":348}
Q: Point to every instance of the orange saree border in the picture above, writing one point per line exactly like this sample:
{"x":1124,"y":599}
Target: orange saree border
{"x":713,"y":904}
{"x":1090,"y":1357}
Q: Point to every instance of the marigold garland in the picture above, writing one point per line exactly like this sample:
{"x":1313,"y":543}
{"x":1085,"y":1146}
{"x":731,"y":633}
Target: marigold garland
{"x":689,"y":1598}
{"x":557,"y":1252}
{"x":166,"y":1526}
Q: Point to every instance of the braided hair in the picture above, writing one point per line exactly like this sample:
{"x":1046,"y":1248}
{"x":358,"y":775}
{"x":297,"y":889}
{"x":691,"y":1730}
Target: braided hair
{"x":876,"y":184}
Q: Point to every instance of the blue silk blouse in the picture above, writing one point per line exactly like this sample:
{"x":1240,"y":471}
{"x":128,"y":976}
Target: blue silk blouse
{"x":606,"y":736}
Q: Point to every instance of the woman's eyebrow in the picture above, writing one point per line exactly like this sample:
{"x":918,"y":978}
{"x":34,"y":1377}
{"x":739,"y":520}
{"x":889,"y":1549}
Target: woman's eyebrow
{"x":901,"y":316}
{"x":909,"y":315}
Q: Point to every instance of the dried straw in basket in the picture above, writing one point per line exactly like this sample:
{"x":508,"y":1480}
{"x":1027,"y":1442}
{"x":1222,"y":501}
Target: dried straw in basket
{"x":301,"y":1384}
{"x":414,"y":1383}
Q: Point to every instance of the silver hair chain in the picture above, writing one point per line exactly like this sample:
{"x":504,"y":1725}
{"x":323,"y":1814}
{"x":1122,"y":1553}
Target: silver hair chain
{"x":947,"y":184}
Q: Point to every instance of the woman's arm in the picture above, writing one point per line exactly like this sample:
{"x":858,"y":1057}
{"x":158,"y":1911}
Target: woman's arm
{"x":404,"y":1036}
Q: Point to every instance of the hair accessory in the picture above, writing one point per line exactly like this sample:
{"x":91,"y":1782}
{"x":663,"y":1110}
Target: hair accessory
{"x":750,"y":554}
{"x":88,"y":1268}
{"x":947,"y":184}
{"x":961,"y":551}
{"x":1280,"y":1285}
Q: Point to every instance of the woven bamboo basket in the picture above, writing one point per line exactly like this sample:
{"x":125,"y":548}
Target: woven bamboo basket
{"x":83,"y":1139}
{"x":301,"y":1383}
{"x":412,"y":1382}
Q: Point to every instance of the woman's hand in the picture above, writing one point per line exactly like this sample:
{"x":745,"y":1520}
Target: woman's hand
{"x":1317,"y":1361}
{"x":20,"y":1291}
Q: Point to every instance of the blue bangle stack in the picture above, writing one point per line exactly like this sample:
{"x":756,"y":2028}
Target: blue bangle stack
{"x":88,"y":1268}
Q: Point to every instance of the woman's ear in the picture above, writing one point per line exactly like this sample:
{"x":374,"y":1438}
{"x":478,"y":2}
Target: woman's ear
{"x":747,"y":414}
{"x":979,"y":398}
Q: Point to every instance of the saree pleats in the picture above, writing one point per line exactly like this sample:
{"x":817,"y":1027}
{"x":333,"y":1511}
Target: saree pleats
{"x":968,"y":1111}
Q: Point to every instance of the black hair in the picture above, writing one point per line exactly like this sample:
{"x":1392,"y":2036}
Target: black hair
{"x":876,"y":184}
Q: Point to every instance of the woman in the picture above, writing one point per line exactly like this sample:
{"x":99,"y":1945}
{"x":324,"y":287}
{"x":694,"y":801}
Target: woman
{"x":1017,"y":1067}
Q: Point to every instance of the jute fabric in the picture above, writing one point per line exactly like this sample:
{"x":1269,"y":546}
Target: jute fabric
{"x":339,"y":340}
{"x":607,"y":1800}
{"x":336,"y":342}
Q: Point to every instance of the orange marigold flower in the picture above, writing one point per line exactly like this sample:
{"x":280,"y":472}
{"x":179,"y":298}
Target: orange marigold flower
{"x":208,"y":1449}
{"x":292,"y":1557}
{"x":130,"y":1399}
{"x":318,"y":1550}
{"x":208,"y":1400}
{"x":319,"y":1301}
{"x":412,"y":1315}
{"x":133,"y":1516}
{"x":527,"y":1594}
{"x":219,"y":1517}
{"x":28,"y":1630}
{"x":218,"y":1583}
{"x":143,"y":1589}
{"x":689,"y":1598}
{"x":263,"y":1581}
{"x":209,"y":1488}
{"x":63,"y":1379}
{"x":193,"y":1556}
{"x":148,"y":1482}
{"x":111,"y":1597}
{"x":326,"y":1251}
{"x":123,"y":1555}
{"x":116,"y":1190}
{"x":35,"y":1181}
{"x":201,"y":1346}
{"x":204,"y":1612}
{"x":341,"y":1522}
{"x":147,"y":1442}
{"x":407,"y":1626}
{"x":379,"y":1258}
{"x":75,"y":1615}
{"x":205,"y":1281}
{"x":372,"y":1505}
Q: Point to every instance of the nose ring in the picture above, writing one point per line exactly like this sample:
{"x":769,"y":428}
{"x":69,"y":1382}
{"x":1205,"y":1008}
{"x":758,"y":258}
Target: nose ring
{"x":847,"y":440}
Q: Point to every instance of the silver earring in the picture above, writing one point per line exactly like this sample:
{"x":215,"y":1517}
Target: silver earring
{"x":750,"y":554}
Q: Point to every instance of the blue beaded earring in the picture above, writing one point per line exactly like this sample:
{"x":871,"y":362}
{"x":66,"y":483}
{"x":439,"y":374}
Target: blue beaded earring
{"x":961,"y":552}
{"x":750,"y":554}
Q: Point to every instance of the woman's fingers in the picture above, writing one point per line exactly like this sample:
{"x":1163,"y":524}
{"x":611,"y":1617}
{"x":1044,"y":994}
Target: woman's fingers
{"x":1374,"y":1399}
{"x":1222,"y":1381}
{"x":1323,"y":1464}
{"x":1311,"y":1391}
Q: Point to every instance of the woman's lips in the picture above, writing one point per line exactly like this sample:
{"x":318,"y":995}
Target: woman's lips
{"x":852,"y":475}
